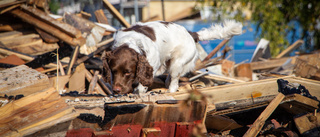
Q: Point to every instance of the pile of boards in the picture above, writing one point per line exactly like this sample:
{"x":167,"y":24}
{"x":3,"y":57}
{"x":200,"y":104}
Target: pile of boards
{"x":51,"y":84}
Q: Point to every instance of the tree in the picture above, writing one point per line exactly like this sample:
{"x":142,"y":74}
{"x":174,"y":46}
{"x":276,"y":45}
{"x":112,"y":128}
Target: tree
{"x":276,"y":19}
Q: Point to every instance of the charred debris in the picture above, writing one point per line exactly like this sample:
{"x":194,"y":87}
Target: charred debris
{"x":51,"y":84}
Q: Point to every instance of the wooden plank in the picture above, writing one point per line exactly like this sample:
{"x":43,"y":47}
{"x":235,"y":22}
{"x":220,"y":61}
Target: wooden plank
{"x":60,"y":83}
{"x":272,"y":63}
{"x":103,"y":85}
{"x":20,"y":40}
{"x":9,"y":8}
{"x":258,"y":124}
{"x":40,"y":49}
{"x":13,"y":27}
{"x":101,"y":18}
{"x":94,"y":79}
{"x":252,"y":89}
{"x":74,"y":57}
{"x":9,"y":35}
{"x":152,"y":115}
{"x":151,"y":132}
{"x":61,"y":117}
{"x":308,"y":67}
{"x":307,"y":122}
{"x":115,"y":13}
{"x":46,"y":27}
{"x":216,"y":49}
{"x":220,"y":123}
{"x":244,"y":70}
{"x":46,"y":36}
{"x":227,"y":68}
{"x":223,"y":78}
{"x":94,"y":33}
{"x":294,"y":104}
{"x":12,"y":59}
{"x":22,"y":80}
{"x":6,"y":3}
{"x":292,"y":47}
{"x":64,"y":27}
{"x":77,"y":79}
{"x":298,"y":104}
{"x":30,"y":110}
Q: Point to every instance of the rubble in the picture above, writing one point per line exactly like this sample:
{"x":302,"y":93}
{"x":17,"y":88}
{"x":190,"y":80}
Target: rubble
{"x":51,"y":84}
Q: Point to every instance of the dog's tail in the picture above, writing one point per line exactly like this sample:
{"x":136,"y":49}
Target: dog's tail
{"x":218,"y":31}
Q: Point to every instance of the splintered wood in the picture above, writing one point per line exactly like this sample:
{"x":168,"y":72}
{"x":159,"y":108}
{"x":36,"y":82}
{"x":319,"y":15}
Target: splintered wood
{"x":22,"y":80}
{"x":33,"y":113}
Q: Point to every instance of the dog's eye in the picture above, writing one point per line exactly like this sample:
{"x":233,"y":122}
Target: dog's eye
{"x":127,"y":73}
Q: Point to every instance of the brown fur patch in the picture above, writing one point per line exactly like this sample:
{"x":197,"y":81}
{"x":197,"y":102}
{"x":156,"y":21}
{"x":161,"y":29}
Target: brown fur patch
{"x":145,"y":30}
{"x":166,"y":23}
{"x":194,"y":35}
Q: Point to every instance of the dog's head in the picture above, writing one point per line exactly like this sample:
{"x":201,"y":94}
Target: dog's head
{"x":124,"y":69}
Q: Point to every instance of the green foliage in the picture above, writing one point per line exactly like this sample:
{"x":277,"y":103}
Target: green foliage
{"x":54,"y":6}
{"x":274,"y":19}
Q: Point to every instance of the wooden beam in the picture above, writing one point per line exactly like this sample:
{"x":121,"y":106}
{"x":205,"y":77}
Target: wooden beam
{"x":9,"y":52}
{"x":307,"y":122}
{"x":244,"y":70}
{"x":6,"y":3}
{"x":272,"y":63}
{"x":252,"y":89}
{"x":46,"y":27}
{"x":216,"y":49}
{"x":103,"y":85}
{"x":32,"y":111}
{"x":101,"y":18}
{"x":46,"y":36}
{"x":22,"y":80}
{"x":64,"y":27}
{"x":93,"y":82}
{"x":115,"y":13}
{"x":292,"y":47}
{"x":13,"y":27}
{"x":223,"y":78}
{"x":9,"y":35}
{"x":9,"y":8}
{"x":258,"y":124}
{"x":73,"y":59}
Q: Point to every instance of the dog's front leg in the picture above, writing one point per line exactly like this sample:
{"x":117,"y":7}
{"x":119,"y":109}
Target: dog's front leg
{"x":174,"y":84}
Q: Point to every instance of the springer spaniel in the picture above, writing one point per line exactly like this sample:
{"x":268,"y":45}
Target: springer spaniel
{"x":149,"y":49}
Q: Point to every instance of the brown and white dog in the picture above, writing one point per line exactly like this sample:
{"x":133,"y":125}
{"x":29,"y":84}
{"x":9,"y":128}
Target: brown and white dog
{"x":149,"y":49}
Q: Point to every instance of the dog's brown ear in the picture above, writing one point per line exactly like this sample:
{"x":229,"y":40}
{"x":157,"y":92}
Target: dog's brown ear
{"x":106,"y":69}
{"x":144,"y":71}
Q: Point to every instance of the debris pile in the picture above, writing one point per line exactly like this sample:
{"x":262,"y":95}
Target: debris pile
{"x":51,"y":84}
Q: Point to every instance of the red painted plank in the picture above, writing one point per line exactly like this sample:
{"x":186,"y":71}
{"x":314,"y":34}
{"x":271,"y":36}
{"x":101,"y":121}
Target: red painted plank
{"x":126,"y":131}
{"x":82,"y":132}
{"x":167,"y":128}
{"x":184,"y":129}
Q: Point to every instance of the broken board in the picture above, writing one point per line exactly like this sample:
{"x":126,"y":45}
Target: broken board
{"x":22,"y":80}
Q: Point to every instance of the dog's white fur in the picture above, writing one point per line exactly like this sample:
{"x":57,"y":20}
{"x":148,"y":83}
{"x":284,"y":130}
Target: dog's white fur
{"x":174,"y":43}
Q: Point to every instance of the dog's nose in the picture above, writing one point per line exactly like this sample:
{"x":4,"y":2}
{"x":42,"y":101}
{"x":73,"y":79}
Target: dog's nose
{"x":117,"y":89}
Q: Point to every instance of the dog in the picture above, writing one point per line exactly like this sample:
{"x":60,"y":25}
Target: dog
{"x":146,"y":50}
